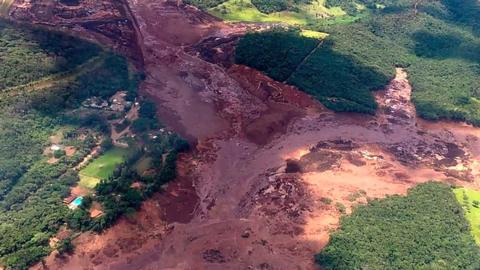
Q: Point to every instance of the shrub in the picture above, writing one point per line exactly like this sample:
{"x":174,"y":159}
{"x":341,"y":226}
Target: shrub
{"x":58,"y":153}
{"x":326,"y":200}
{"x":340,"y":208}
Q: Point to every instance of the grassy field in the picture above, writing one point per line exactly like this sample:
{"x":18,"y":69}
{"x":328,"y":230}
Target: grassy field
{"x":102,"y":167}
{"x":313,"y":34}
{"x":245,"y":11}
{"x":466,"y":198}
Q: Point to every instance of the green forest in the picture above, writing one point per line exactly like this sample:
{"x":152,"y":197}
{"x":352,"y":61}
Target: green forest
{"x":45,"y":78}
{"x":277,"y":53}
{"x":436,"y":41}
{"x":36,"y":54}
{"x":269,"y":6}
{"x":426,"y":229}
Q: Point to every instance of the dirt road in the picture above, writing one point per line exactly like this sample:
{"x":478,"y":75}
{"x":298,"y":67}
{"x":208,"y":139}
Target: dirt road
{"x":253,"y":193}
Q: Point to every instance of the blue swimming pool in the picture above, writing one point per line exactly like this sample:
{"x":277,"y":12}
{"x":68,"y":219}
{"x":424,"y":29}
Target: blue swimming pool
{"x":77,"y":201}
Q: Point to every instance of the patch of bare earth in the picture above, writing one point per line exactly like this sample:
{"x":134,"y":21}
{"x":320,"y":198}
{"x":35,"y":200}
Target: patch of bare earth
{"x":255,"y":193}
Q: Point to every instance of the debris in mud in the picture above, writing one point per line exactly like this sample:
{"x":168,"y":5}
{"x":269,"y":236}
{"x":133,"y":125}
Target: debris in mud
{"x":439,"y":154}
{"x":339,"y":144}
{"x":464,"y":174}
{"x":264,"y":266}
{"x":285,"y":197}
{"x":356,"y":159}
{"x":320,"y":161}
{"x":213,"y":256}
{"x":293,"y":166}
{"x":247,"y":233}
{"x":326,"y":155}
{"x":396,"y":108}
{"x":217,"y":50}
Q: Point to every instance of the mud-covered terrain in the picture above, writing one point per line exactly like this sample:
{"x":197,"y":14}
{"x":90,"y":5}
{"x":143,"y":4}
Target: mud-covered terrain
{"x":256,"y":191}
{"x":105,"y":21}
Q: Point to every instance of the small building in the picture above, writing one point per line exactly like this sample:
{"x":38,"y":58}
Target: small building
{"x":136,"y":185}
{"x":94,"y":213}
{"x":55,"y":147}
{"x":95,"y":102}
{"x":118,"y":102}
{"x":69,"y":199}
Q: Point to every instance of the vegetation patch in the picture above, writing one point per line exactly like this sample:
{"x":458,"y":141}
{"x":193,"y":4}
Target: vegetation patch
{"x":277,"y":53}
{"x":270,"y":6}
{"x":143,"y":165}
{"x":313,"y":34}
{"x":440,"y":52}
{"x":436,"y":41}
{"x":88,"y":182}
{"x":338,"y":81}
{"x":103,"y":166}
{"x":424,"y":230}
{"x":204,"y":4}
{"x":470,"y":201}
{"x":28,"y":54}
{"x":35,"y":187}
{"x":299,"y":13}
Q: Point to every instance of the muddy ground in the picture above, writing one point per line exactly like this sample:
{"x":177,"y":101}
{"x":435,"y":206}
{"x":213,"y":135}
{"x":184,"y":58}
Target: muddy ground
{"x":255,"y":192}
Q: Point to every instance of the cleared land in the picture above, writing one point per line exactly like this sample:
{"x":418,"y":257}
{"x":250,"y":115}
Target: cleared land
{"x":470,"y":201}
{"x":245,"y":11}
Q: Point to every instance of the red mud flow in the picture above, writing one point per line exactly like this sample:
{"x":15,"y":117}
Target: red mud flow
{"x":250,"y":195}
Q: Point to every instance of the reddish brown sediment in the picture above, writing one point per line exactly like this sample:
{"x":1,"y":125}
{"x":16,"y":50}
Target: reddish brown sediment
{"x":234,"y":206}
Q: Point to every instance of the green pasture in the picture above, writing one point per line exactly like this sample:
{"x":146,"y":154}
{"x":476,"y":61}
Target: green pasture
{"x":102,"y":167}
{"x":466,"y":197}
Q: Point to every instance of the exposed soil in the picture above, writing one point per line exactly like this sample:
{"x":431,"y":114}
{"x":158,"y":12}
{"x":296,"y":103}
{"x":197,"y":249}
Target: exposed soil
{"x":252,"y":194}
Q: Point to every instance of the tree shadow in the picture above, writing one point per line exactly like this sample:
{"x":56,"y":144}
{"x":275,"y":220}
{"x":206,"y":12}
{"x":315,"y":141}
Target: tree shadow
{"x":443,"y":46}
{"x":465,"y":12}
{"x":340,"y":82}
{"x":30,"y":53}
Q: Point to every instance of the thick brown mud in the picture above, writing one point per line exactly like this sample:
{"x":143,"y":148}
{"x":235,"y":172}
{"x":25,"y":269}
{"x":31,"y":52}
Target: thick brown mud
{"x":252,"y":194}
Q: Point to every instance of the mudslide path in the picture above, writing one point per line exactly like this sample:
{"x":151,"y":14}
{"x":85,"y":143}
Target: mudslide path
{"x":251,"y":195}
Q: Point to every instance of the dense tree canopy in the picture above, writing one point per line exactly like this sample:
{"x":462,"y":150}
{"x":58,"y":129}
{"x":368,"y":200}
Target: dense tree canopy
{"x":424,"y":230}
{"x":436,"y":41}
